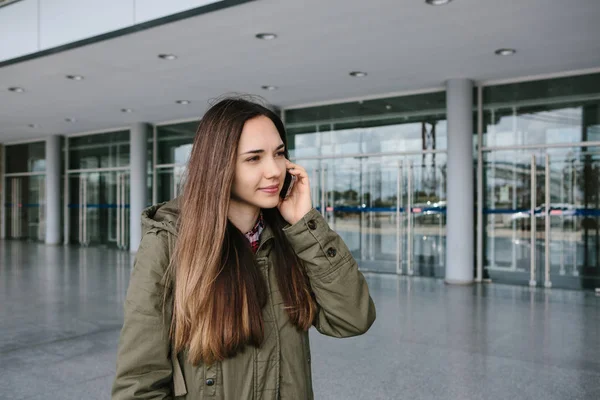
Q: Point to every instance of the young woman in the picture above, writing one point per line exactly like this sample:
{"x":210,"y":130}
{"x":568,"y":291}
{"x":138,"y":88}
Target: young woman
{"x":229,"y":278}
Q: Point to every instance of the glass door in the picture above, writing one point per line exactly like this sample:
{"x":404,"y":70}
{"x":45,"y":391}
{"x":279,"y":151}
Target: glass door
{"x":99,"y":208}
{"x":36,"y":207}
{"x":358,"y":198}
{"x":509,"y":177}
{"x":337,"y":193}
{"x":169,"y":183}
{"x":379,"y":201}
{"x":389,"y":211}
{"x":25,"y":208}
{"x":340,"y":198}
{"x":542,"y":213}
{"x":572,"y":236}
{"x":121,"y":212}
{"x":15,"y":212}
{"x":423,"y":215}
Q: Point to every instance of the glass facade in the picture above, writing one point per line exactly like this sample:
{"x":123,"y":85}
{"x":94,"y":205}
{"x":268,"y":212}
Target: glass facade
{"x":103,"y":150}
{"x":28,"y":157}
{"x":174,"y":145}
{"x":24,"y":183}
{"x":174,"y":142}
{"x":402,"y":124}
{"x":98,"y":199}
{"x":541,"y":180}
{"x":378,"y":173}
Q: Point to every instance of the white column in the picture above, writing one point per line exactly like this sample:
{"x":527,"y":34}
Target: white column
{"x":137,"y":186}
{"x":2,"y":192}
{"x":53,"y":190}
{"x":460,"y":210}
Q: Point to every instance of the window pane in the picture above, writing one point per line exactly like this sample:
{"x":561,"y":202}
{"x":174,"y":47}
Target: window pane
{"x":554,"y":111}
{"x":175,"y":142}
{"x":409,"y":123}
{"x":28,"y":157}
{"x":103,"y":150}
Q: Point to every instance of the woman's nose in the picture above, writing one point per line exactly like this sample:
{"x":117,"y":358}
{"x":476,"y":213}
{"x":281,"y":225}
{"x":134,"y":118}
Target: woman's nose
{"x":273,"y":169}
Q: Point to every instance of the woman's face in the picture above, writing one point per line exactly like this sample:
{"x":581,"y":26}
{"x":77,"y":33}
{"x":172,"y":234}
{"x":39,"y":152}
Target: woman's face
{"x":260,"y":165}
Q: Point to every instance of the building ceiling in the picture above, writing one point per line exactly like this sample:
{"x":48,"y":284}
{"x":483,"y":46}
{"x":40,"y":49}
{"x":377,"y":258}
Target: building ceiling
{"x":403,"y":45}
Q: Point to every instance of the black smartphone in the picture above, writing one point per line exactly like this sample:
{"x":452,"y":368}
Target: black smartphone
{"x":288,"y":185}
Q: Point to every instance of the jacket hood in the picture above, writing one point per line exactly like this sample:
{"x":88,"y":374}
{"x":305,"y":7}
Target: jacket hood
{"x":163,"y":216}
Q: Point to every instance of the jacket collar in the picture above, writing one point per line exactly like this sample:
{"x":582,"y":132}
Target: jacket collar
{"x":264,"y":248}
{"x":165,"y":216}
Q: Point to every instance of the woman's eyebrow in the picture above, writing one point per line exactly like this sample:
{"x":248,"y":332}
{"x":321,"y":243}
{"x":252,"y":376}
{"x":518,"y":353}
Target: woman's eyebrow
{"x":259,"y":151}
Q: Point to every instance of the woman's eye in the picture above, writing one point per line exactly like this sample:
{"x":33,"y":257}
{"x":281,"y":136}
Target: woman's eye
{"x":255,"y":158}
{"x":281,"y":154}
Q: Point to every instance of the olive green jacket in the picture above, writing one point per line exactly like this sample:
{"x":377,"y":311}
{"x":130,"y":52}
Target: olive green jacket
{"x":281,"y":367}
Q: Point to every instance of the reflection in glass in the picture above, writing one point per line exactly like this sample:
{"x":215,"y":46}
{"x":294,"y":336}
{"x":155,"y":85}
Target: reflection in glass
{"x":398,"y":124}
{"x":174,"y":142}
{"x":169,"y":182}
{"x":99,"y":208}
{"x":27,"y":157}
{"x":562,"y":117}
{"x":389,"y":209}
{"x":552,"y":111}
{"x":25,"y":207}
{"x":380,"y":204}
{"x":103,"y":150}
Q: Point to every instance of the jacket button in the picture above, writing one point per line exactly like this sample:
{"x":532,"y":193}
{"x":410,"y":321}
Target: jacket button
{"x":331,"y":252}
{"x":210,"y":382}
{"x":312,"y":225}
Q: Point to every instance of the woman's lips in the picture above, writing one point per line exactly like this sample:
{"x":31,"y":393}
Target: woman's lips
{"x":270,"y":189}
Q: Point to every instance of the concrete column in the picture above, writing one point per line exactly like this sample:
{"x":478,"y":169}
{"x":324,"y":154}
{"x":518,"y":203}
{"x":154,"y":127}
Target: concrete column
{"x":53,"y":190}
{"x":2,"y":193}
{"x":460,"y":228}
{"x":137,"y":187}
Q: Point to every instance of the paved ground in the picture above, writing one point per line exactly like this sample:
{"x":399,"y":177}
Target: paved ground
{"x":61,"y":313}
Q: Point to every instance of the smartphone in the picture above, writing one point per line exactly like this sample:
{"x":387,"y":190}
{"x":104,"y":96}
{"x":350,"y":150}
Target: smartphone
{"x":288,"y":185}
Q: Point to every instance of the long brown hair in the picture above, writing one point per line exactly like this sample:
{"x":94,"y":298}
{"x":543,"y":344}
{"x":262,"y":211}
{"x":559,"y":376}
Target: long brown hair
{"x":219,"y":291}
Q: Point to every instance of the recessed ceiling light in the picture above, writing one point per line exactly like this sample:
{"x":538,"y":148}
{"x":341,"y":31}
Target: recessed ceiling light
{"x":183,"y":102}
{"x":437,"y":2}
{"x":505,"y":52}
{"x":358,"y":74}
{"x":269,"y":87}
{"x":70,"y":119}
{"x":167,"y":56}
{"x":126,"y":110}
{"x":16,"y":89}
{"x":266,"y":36}
{"x":388,"y":107}
{"x":75,"y":77}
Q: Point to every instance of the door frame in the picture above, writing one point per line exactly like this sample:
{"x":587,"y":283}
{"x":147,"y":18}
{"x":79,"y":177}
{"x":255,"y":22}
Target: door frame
{"x":120,"y":171}
{"x":544,"y":275}
{"x":403,"y":163}
{"x":41,"y":211}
